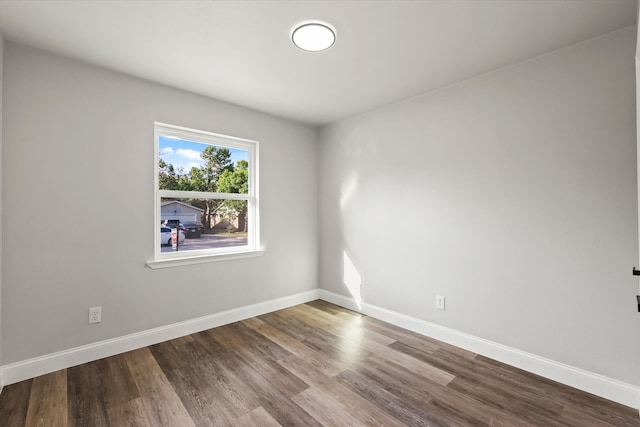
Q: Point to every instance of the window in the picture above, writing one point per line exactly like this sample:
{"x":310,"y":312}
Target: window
{"x":206,"y":192}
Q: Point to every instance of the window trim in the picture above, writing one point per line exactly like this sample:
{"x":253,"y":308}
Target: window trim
{"x":201,"y":259}
{"x":252,"y":248}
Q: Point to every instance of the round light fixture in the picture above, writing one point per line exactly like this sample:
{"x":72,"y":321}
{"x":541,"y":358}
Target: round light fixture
{"x":313,"y":36}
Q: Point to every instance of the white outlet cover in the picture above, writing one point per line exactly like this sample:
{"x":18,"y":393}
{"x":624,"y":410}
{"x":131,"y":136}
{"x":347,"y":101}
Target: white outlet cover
{"x":95,"y":315}
{"x":440,"y":302}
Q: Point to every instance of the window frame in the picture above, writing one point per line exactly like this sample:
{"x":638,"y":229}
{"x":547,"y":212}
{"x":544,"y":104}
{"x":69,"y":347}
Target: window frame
{"x":252,"y":248}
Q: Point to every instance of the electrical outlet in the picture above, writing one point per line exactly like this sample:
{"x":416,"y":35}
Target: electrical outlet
{"x":439,"y":302}
{"x":95,"y":315}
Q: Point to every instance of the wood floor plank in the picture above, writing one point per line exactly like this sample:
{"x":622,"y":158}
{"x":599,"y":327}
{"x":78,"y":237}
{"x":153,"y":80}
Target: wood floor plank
{"x":309,"y":365}
{"x":95,"y":387}
{"x":316,"y":338}
{"x":362,"y":409}
{"x":420,"y":394}
{"x":349,"y":342}
{"x":294,"y":327}
{"x":377,"y":343}
{"x":591,"y":406}
{"x":479,"y":380}
{"x":163,"y":407}
{"x":326,"y":307}
{"x":182,"y":340}
{"x":257,"y":341}
{"x":48,"y":401}
{"x":419,"y":368}
{"x":14,"y":403}
{"x":258,"y":417}
{"x":86,"y":395}
{"x":320,"y":361}
{"x":345,"y":327}
{"x":574,"y":417}
{"x":401,"y":335}
{"x":413,"y":339}
{"x":386,"y":400}
{"x":117,"y":383}
{"x":213,"y":370}
{"x":277,"y":404}
{"x":265,"y":363}
{"x":129,"y":414}
{"x":327,"y":410}
{"x":199,"y":385}
{"x":454,"y":405}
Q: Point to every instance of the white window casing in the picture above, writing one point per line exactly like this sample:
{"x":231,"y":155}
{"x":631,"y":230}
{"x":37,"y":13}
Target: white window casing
{"x":186,"y":257}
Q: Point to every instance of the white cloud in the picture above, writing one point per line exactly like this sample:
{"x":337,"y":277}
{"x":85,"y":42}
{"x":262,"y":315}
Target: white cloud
{"x":166,"y":150}
{"x":189,"y":154}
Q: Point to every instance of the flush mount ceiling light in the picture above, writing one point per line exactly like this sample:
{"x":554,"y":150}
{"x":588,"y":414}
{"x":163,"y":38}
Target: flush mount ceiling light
{"x":313,"y":36}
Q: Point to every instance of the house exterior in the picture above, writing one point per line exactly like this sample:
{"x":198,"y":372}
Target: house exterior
{"x":184,"y":212}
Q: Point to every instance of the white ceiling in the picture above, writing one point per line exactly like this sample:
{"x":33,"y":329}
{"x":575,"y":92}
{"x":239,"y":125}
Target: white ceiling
{"x":240,"y":51}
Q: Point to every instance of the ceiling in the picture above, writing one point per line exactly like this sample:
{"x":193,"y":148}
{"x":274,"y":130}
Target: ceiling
{"x":241,"y":51}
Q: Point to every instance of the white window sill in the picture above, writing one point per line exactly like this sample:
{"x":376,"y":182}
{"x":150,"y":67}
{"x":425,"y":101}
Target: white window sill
{"x":201,"y":259}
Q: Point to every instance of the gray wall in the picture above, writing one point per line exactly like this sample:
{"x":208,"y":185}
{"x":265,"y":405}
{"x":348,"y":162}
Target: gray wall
{"x":76,"y":139}
{"x":638,"y":134}
{"x":1,"y":273}
{"x":513,"y":194}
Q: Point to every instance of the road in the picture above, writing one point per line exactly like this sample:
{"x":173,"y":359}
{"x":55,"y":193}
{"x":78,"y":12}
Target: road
{"x":208,"y":241}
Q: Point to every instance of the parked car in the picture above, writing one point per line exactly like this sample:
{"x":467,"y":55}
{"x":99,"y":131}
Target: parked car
{"x":172,"y":223}
{"x":165,"y":236}
{"x":192,"y":229}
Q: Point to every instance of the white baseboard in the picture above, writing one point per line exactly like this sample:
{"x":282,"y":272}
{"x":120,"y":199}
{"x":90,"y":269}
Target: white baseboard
{"x":608,"y":388}
{"x":19,"y":371}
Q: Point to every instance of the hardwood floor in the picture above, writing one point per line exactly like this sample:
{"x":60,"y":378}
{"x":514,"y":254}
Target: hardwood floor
{"x":311,"y":365}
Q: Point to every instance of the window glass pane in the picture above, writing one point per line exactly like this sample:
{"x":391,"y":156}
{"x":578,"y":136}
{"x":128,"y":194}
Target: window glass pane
{"x":194,"y":166}
{"x":203,"y":223}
